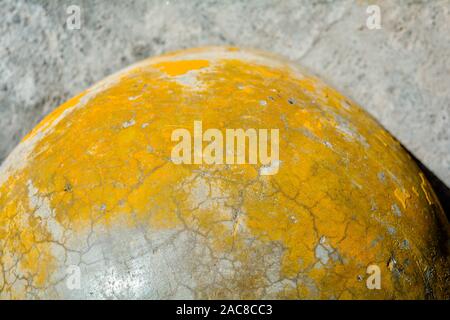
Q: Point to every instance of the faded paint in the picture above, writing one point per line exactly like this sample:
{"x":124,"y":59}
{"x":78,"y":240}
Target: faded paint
{"x":93,"y":185}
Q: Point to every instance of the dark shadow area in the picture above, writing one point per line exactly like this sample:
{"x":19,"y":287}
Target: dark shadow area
{"x":441,"y":190}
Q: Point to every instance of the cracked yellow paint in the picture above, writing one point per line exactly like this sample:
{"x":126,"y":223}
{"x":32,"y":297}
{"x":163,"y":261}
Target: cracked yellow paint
{"x":93,"y":186}
{"x":402,"y":196}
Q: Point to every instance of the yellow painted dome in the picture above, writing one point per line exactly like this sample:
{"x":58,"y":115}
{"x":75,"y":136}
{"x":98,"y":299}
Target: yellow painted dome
{"x":93,"y":203}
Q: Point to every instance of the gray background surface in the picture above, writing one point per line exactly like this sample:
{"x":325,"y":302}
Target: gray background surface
{"x":399,"y":73}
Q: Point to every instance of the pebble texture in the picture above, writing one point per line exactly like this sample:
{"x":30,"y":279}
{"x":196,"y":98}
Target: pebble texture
{"x":399,"y":73}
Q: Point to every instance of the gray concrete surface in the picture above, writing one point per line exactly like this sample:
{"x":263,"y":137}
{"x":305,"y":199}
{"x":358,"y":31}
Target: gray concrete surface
{"x":399,"y":73}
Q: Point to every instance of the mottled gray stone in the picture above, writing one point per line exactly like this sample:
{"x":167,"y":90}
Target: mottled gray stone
{"x":399,"y":73}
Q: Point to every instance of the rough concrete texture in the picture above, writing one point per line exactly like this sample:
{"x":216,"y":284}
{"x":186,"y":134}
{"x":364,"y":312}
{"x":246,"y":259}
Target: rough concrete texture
{"x":399,"y":73}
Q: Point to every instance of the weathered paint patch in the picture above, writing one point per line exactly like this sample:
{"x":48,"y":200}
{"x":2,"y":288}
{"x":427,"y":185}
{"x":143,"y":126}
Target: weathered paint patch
{"x":216,"y":231}
{"x":177,"y":68}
